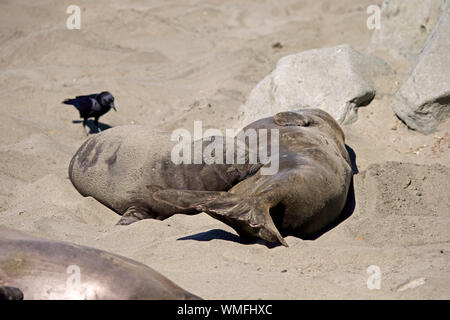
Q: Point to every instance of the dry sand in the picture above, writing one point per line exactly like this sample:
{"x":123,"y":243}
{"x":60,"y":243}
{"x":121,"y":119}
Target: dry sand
{"x":170,"y":63}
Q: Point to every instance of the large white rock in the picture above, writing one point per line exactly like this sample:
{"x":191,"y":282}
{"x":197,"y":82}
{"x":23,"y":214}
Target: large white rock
{"x":337,"y":80}
{"x":404,"y":28}
{"x":424,"y":99}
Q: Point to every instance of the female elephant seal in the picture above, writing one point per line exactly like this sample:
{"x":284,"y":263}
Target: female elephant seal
{"x":129,"y":169}
{"x":34,"y":268}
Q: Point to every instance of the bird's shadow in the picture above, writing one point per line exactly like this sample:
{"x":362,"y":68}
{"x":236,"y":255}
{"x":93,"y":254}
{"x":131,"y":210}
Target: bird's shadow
{"x":92,"y":128}
{"x":219,"y":234}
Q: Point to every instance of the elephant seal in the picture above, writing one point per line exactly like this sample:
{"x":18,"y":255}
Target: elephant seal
{"x":34,"y":268}
{"x":129,"y":169}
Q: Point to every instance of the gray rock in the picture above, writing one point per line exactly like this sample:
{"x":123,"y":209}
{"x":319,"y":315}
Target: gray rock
{"x":404,"y":28}
{"x":337,"y":80}
{"x":424,"y":99}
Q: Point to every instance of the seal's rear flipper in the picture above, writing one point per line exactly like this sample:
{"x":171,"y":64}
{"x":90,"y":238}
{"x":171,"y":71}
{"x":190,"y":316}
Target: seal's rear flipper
{"x":10,"y":293}
{"x":249,"y":216}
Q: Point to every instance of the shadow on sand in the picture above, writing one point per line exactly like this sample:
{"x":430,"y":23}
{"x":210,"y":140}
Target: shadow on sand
{"x":92,"y":128}
{"x":218,"y":234}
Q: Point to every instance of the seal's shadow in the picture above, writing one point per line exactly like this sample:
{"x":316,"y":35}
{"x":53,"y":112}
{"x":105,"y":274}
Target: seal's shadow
{"x":346,"y":213}
{"x":211,"y":235}
{"x":219,"y":234}
{"x":92,"y":128}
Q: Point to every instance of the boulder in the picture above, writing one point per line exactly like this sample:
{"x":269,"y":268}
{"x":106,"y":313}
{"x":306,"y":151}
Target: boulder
{"x":337,"y":80}
{"x":404,"y":28}
{"x":423,"y":100}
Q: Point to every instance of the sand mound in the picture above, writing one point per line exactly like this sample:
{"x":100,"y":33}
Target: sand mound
{"x":403,"y":202}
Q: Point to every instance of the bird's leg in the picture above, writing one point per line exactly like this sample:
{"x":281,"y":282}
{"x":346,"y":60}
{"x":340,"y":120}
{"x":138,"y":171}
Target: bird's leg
{"x":84,"y":127}
{"x":96,"y":124}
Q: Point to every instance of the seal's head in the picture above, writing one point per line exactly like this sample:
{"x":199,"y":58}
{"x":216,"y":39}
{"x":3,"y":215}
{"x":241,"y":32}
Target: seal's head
{"x":310,"y":117}
{"x":106,"y":99}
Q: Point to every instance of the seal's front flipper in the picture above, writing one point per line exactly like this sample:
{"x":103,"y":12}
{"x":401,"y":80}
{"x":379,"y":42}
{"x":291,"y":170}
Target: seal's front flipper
{"x":290,"y":118}
{"x":10,"y":293}
{"x":134,"y":214}
{"x":249,"y":216}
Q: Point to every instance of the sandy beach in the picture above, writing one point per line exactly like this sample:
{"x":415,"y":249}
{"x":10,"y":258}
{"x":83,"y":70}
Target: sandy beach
{"x":170,"y":63}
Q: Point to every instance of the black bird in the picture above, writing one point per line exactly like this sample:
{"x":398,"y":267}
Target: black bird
{"x":92,"y":106}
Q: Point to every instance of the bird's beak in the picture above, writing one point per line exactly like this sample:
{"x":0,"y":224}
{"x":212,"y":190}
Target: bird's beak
{"x":114,"y":107}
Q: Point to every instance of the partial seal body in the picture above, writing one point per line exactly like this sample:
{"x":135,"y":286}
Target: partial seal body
{"x":305,"y":195}
{"x":310,"y":188}
{"x":34,"y":268}
{"x":117,"y":166}
{"x":130,"y":167}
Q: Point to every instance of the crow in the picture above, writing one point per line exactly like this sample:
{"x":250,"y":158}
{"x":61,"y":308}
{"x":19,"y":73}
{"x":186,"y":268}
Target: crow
{"x":92,"y":106}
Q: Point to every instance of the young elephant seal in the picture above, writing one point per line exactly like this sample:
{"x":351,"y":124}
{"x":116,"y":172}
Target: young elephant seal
{"x":129,"y":169}
{"x":34,"y":268}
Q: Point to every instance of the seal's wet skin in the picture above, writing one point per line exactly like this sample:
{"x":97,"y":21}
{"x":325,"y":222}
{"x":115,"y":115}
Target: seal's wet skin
{"x":34,"y":268}
{"x":129,"y":169}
